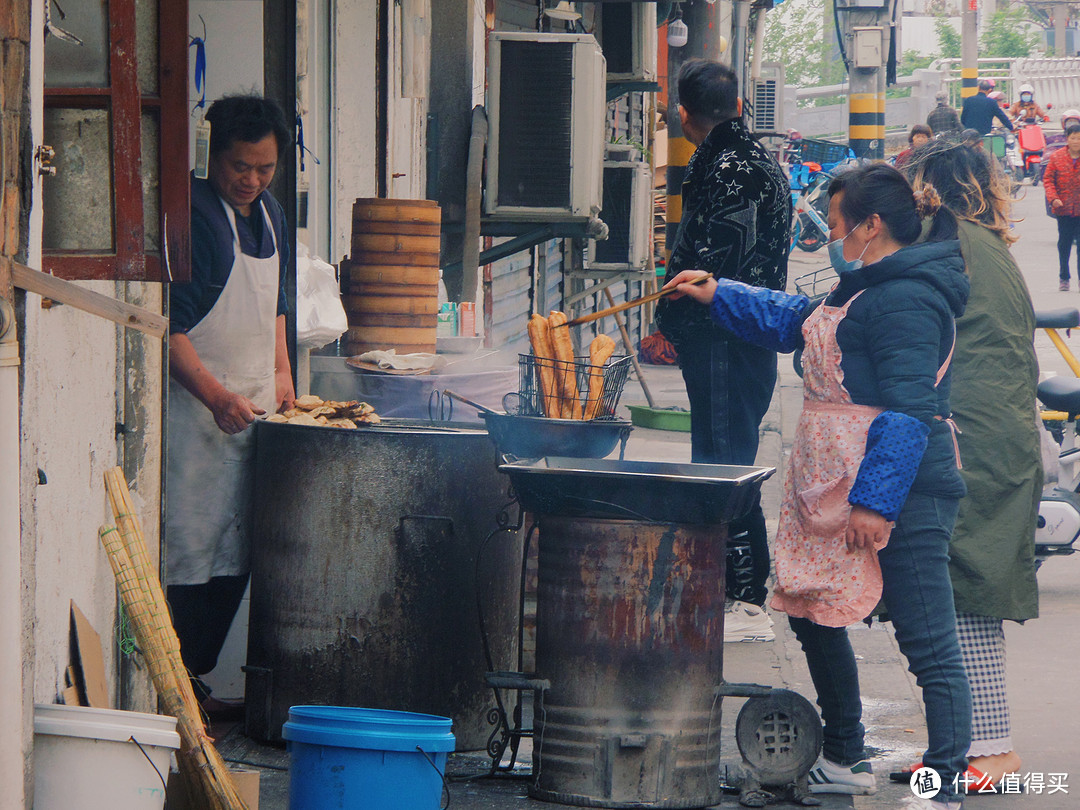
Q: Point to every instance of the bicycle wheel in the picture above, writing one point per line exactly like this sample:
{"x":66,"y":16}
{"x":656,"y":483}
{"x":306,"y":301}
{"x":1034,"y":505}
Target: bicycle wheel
{"x":810,"y":237}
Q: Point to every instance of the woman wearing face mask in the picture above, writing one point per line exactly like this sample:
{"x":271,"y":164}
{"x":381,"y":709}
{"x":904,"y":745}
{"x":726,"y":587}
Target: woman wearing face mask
{"x":872,"y":487}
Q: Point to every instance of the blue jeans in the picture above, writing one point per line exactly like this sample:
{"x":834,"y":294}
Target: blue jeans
{"x":730,"y":384}
{"x":919,"y":600}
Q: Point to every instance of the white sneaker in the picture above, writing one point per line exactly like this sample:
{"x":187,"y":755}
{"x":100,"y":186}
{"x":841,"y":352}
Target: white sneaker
{"x":852,"y":780}
{"x":915,"y":803}
{"x":744,"y":621}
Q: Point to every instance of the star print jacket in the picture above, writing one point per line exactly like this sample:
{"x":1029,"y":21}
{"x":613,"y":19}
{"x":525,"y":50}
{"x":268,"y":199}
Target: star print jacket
{"x":895,"y":337}
{"x":735,"y":224}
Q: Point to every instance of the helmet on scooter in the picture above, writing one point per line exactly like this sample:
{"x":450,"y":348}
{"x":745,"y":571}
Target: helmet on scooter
{"x":1027,"y":90}
{"x":1070,"y":116}
{"x":996,"y":95}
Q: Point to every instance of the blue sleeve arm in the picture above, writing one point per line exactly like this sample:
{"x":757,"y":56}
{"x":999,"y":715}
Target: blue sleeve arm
{"x":768,"y":318}
{"x":895,"y":445}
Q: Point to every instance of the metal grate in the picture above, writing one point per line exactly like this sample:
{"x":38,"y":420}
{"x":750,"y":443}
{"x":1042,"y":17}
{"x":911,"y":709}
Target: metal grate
{"x":766,"y":105}
{"x":617,"y":214}
{"x":535,"y":108}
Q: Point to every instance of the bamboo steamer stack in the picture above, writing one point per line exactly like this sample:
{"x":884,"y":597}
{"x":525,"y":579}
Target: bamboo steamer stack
{"x":391,"y":283}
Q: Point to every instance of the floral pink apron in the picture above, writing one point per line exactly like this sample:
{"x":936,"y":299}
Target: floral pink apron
{"x":818,"y":577}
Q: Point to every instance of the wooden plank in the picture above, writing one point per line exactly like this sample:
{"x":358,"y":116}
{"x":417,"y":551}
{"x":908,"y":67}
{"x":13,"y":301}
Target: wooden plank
{"x":103,"y":306}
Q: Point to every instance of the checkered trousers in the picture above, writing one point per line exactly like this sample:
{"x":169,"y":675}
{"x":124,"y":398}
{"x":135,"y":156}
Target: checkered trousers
{"x":982,"y":645}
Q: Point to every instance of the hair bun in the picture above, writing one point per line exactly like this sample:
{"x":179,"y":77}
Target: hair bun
{"x":927,"y":201}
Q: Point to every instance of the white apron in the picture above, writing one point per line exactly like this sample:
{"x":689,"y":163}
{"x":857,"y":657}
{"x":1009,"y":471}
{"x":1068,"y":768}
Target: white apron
{"x":210,"y":474}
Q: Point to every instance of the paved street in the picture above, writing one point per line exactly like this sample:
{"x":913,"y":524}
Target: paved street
{"x":1043,"y":656}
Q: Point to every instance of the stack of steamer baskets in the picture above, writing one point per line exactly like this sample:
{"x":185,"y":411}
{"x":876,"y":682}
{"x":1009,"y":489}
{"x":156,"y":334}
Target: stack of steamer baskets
{"x":391,"y":283}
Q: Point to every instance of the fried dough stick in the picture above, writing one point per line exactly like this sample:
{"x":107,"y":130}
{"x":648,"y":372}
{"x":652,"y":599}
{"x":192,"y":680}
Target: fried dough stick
{"x":540,"y":338}
{"x":600,"y":350}
{"x":566,"y":370}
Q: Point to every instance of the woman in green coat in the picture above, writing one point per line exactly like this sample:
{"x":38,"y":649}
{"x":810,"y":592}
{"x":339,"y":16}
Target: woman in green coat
{"x":995,"y":373}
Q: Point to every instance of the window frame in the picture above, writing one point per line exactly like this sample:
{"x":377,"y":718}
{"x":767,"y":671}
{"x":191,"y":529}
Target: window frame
{"x":129,"y":260}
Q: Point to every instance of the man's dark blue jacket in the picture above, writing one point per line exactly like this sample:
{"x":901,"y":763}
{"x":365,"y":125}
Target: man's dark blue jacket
{"x":980,"y":111}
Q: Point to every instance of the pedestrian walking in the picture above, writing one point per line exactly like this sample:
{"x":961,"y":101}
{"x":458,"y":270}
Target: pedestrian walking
{"x":1061,"y":181}
{"x":943,"y":119}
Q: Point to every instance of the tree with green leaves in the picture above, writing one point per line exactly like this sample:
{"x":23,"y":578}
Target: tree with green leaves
{"x":1009,"y":34}
{"x":949,"y":39}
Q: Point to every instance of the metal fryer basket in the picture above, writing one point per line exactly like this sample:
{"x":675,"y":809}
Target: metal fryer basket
{"x":531,"y":396}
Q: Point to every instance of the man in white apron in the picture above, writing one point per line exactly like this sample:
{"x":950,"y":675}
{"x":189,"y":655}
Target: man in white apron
{"x":228,"y":365}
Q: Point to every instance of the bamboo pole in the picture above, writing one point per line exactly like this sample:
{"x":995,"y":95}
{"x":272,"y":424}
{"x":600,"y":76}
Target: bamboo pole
{"x":205,"y":773}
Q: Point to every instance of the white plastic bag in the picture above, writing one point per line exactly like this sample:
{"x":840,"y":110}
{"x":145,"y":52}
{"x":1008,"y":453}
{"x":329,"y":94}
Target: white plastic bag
{"x":320,"y":317}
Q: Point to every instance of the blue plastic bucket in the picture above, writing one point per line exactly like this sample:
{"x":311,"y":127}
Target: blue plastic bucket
{"x":377,"y":759}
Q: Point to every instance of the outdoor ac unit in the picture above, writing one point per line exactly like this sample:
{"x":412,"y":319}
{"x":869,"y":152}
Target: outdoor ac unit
{"x":627,"y":212}
{"x":769,"y":98}
{"x":628,"y":38}
{"x":547,"y":108}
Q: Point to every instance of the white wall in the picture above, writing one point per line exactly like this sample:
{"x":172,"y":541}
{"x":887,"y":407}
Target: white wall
{"x":410,"y":55}
{"x":352,"y":112}
{"x":234,"y":52}
{"x":919,"y":35}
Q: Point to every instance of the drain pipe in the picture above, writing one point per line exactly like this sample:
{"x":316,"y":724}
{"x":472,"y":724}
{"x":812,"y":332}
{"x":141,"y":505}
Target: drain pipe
{"x":11,"y":650}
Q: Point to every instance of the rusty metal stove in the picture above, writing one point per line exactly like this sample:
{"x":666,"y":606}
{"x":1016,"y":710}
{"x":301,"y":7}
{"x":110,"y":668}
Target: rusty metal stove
{"x":630,"y":607}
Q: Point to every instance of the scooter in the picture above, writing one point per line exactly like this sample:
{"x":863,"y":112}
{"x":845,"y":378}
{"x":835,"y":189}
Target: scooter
{"x":1058,"y":525}
{"x":1032,"y":141}
{"x":809,"y":227}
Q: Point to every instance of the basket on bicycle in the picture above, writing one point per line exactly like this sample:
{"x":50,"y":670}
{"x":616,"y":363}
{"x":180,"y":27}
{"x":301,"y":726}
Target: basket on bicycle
{"x":817,"y":283}
{"x":823,"y":152}
{"x":593,"y":401}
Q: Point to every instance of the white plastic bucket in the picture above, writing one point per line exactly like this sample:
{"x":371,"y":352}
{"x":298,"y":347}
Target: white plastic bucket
{"x":85,"y":758}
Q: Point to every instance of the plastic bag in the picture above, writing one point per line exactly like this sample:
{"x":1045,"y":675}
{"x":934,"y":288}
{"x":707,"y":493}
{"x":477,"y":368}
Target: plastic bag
{"x":320,"y":317}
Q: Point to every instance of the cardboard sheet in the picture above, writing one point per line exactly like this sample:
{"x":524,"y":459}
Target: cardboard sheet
{"x":88,"y":661}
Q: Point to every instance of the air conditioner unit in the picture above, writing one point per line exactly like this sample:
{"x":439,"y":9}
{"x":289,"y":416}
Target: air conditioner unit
{"x":547,"y":108}
{"x":627,"y":211}
{"x":628,"y":39}
{"x":769,"y":98}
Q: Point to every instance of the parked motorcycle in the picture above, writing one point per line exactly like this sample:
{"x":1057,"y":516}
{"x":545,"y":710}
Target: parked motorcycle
{"x":1058,"y":526}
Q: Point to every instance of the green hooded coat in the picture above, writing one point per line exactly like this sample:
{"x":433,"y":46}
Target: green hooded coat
{"x":993,"y":400}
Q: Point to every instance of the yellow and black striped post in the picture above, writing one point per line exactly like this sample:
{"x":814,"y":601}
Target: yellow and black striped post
{"x":969,"y":50}
{"x":866,"y":124}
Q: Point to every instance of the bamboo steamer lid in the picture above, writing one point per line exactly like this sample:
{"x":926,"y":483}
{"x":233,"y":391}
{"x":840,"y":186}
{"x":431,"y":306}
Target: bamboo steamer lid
{"x":378,"y":209}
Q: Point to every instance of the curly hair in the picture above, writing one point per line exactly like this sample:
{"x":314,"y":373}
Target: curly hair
{"x":971,"y":183}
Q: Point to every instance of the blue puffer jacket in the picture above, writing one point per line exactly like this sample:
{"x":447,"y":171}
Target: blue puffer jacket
{"x":895,"y":337}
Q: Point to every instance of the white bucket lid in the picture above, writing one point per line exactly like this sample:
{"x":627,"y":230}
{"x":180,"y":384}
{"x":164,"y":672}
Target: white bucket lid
{"x":105,"y":724}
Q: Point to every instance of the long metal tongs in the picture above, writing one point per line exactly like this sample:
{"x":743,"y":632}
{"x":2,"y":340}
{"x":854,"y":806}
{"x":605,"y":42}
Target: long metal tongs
{"x":637,"y":302}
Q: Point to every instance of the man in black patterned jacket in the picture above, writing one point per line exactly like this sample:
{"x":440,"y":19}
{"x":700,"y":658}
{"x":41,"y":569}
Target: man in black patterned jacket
{"x":735,"y":223}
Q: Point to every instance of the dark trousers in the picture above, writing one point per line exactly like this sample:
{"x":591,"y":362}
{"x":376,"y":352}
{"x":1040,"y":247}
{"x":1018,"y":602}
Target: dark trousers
{"x":918,"y":597}
{"x":202,"y":616}
{"x":730,"y":385}
{"x":1068,"y":233}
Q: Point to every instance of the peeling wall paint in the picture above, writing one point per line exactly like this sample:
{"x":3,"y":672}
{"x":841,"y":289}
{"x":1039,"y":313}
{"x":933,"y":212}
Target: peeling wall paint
{"x":70,"y":406}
